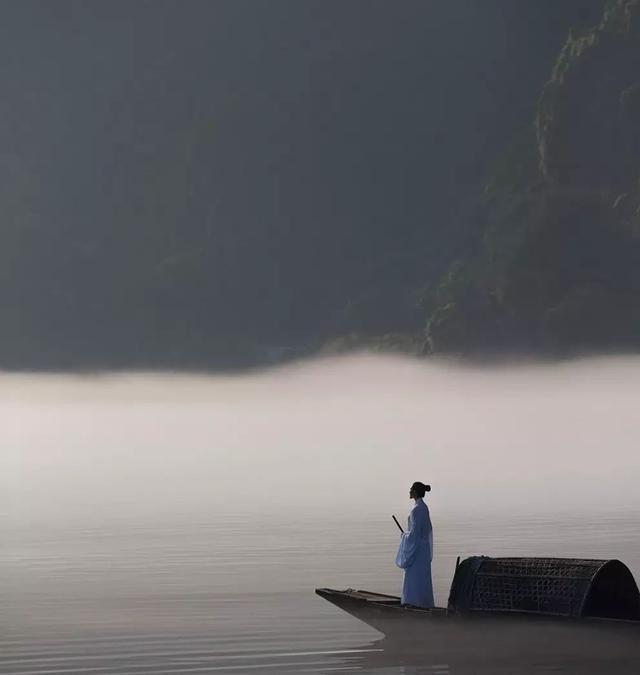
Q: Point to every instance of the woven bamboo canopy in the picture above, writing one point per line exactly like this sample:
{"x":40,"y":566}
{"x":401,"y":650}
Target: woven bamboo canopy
{"x":559,"y":586}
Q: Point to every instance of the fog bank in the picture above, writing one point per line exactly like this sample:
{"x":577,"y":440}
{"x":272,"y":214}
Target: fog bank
{"x":342,"y":435}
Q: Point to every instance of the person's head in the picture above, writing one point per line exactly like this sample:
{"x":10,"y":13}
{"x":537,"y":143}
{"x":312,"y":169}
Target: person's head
{"x":418,"y":490}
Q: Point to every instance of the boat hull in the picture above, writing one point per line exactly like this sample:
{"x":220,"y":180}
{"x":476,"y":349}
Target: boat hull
{"x":503,"y":639}
{"x":385,"y":613}
{"x":382,"y":612}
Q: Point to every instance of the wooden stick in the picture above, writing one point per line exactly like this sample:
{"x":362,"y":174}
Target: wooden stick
{"x":395,"y":520}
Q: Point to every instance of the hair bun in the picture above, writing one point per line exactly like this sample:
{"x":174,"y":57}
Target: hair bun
{"x":427,"y":487}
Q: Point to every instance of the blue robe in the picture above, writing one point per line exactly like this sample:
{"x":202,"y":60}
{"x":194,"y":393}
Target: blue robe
{"x":414,"y":557}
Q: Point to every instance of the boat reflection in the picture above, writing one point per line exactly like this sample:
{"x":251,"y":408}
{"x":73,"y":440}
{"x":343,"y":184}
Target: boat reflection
{"x":502,"y":647}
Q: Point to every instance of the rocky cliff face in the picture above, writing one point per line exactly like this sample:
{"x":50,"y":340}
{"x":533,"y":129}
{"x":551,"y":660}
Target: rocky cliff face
{"x":588,"y":122}
{"x":557,"y":267}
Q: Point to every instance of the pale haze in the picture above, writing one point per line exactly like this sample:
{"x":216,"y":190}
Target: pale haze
{"x":176,"y":523}
{"x":338,"y":435}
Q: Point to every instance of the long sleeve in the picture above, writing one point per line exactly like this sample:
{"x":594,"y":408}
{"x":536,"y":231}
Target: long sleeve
{"x":419,"y":531}
{"x":408,"y":545}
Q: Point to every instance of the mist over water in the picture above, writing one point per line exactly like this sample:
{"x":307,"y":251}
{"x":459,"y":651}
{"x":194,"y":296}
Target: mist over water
{"x":174,"y":524}
{"x":343,"y":435}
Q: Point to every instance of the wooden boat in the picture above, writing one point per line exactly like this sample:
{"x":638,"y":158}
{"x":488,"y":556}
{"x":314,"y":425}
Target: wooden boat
{"x":377,"y":610}
{"x":541,"y":589}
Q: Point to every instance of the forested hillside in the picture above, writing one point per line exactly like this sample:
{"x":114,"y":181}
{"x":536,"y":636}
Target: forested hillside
{"x":233,"y":183}
{"x":556,"y":268}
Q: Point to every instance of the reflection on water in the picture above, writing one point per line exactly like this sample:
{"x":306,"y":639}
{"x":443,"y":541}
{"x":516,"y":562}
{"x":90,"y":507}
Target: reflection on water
{"x":238,"y":597}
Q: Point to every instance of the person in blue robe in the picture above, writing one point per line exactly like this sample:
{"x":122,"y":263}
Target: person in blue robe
{"x":416,"y":552}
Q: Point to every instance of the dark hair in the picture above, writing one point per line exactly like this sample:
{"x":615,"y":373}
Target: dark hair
{"x":420,"y":488}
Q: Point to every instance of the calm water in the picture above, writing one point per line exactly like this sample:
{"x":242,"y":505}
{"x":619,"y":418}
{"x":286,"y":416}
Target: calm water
{"x":237,"y":596}
{"x":162,"y":524}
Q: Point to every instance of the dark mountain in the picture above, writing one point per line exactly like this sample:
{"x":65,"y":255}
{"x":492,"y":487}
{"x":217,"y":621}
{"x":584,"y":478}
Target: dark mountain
{"x":556,"y":265}
{"x":191,"y":184}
